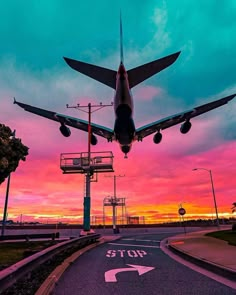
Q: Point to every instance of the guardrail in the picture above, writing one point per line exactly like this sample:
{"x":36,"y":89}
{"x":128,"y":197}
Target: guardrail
{"x":10,"y":275}
{"x":28,"y":237}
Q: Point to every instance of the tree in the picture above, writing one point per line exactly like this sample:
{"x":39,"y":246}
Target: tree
{"x":234,"y":207}
{"x":12,"y":150}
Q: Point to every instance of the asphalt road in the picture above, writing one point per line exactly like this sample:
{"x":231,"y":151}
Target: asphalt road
{"x":134,"y":265}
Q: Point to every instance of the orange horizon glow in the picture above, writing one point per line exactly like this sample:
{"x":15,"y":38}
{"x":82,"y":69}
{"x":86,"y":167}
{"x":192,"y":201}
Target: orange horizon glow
{"x":39,"y":191}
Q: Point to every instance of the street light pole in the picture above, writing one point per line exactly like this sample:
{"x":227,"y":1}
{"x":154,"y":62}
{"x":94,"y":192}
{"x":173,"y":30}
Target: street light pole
{"x":5,"y":206}
{"x":6,"y":199}
{"x":213,"y":193}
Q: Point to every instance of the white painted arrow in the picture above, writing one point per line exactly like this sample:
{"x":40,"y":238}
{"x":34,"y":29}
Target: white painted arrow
{"x":110,"y":275}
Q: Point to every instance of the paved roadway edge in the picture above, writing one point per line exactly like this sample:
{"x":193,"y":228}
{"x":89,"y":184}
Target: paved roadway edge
{"x":49,"y":284}
{"x":196,"y":265}
{"x":209,"y":265}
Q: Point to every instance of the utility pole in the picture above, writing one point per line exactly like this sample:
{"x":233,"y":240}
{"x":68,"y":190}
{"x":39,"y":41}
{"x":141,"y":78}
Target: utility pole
{"x":115,"y":202}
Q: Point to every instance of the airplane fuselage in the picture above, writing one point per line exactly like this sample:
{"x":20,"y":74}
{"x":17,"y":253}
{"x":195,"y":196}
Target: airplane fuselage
{"x":124,"y":128}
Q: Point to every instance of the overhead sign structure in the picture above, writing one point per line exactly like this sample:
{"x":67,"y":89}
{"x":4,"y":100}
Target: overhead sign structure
{"x":110,"y":275}
{"x":87,"y":163}
{"x":182,"y":211}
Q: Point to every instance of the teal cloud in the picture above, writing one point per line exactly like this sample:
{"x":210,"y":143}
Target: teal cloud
{"x":37,"y":34}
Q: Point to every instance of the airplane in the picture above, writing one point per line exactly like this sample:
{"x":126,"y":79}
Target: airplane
{"x":122,"y":81}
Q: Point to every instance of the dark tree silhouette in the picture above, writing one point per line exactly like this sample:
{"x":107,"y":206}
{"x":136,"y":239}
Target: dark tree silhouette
{"x":12,"y":150}
{"x":234,"y":207}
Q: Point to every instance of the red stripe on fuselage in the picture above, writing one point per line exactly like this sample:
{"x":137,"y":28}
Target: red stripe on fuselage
{"x":123,"y":94}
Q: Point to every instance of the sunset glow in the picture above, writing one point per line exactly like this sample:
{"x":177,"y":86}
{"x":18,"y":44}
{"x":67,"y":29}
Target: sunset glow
{"x":36,"y":35}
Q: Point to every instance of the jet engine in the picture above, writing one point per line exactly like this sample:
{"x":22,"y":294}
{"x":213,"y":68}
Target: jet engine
{"x":157,"y":138}
{"x":94,"y":140}
{"x":65,"y":131}
{"x":185,"y":127}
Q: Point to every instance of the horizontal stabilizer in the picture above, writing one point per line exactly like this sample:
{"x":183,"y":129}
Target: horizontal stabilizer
{"x":103,"y":75}
{"x":143,"y":72}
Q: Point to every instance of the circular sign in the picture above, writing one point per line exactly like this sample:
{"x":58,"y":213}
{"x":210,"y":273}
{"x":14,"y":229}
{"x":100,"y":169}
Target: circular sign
{"x":182,"y":211}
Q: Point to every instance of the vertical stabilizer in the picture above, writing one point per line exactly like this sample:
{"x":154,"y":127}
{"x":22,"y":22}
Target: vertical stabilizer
{"x":121,"y":41}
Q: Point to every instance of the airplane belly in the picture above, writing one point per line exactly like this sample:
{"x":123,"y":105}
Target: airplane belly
{"x":123,"y":97}
{"x":124,"y":130}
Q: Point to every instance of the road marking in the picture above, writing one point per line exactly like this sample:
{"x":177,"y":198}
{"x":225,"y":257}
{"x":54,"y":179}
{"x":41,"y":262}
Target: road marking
{"x":139,"y":240}
{"x":176,"y":243}
{"x":123,"y":253}
{"x":153,"y":241}
{"x":110,"y":275}
{"x":133,"y":245}
{"x":128,"y":239}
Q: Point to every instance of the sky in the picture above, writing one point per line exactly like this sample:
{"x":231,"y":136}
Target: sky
{"x":35,"y":35}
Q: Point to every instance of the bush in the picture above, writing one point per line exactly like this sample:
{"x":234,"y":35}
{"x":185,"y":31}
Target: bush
{"x":234,"y":227}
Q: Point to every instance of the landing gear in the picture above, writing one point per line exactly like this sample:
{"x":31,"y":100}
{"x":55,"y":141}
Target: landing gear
{"x":125,"y":149}
{"x":140,"y":138}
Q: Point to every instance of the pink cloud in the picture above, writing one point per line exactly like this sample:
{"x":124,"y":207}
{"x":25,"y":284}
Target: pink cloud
{"x":157,"y":177}
{"x":146,"y":93}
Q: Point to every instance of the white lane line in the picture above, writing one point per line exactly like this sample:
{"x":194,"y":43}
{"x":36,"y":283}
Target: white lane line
{"x":153,"y":241}
{"x":140,"y":240}
{"x":143,"y":240}
{"x":133,"y":245}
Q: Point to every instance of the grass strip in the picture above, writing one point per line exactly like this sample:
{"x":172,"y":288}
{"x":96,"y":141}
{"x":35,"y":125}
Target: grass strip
{"x":12,"y":252}
{"x":226,"y":235}
{"x":31,"y":283}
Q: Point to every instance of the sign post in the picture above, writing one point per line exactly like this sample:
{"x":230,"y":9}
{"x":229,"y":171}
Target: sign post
{"x":182,"y":212}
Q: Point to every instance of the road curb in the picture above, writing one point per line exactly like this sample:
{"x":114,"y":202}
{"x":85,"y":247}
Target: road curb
{"x":218,"y":269}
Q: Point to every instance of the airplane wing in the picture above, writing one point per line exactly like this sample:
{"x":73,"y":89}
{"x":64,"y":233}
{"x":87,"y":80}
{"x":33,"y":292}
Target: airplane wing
{"x":69,"y":121}
{"x":180,"y":117}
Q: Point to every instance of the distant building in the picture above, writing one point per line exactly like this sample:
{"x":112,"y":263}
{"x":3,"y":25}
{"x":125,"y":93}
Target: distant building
{"x":7,"y":222}
{"x":133,"y":219}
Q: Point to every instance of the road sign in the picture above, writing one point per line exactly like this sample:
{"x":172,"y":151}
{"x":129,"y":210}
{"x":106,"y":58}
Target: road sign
{"x":110,"y":275}
{"x":182,"y":211}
